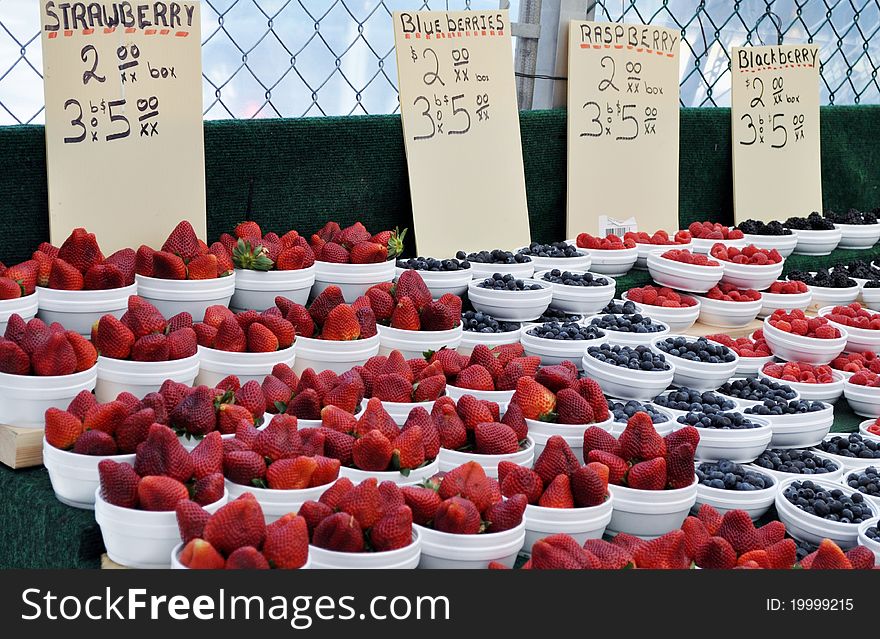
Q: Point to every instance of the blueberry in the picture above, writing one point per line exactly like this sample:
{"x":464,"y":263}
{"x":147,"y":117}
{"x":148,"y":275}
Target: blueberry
{"x":777,"y":406}
{"x":478,"y":322}
{"x":577,"y":278}
{"x":757,"y":389}
{"x":507,"y":282}
{"x":686,"y":399}
{"x":718,"y":420}
{"x":432,"y":264}
{"x":628,"y":323}
{"x":496,"y":256}
{"x":834,"y":505}
{"x":727,"y":475}
{"x":852,"y":445}
{"x":555,"y":249}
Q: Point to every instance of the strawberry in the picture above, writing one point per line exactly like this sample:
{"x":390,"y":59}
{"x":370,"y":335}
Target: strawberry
{"x":375,"y":417}
{"x":648,"y":475}
{"x":195,"y":413}
{"x":126,"y":261}
{"x":81,"y":404}
{"x":366,"y":320}
{"x":472,"y":411}
{"x":333,"y":253}
{"x":340,"y":532}
{"x":628,"y":542}
{"x":161,"y":453}
{"x":260,"y":339}
{"x":423,"y":502}
{"x":206,"y":335}
{"x":557,"y":494}
{"x":54,"y":357}
{"x":505,"y":515}
{"x":25,"y":274}
{"x":161,"y":493}
{"x":617,"y":467}
{"x":611,"y":557}
{"x":475,"y":377}
{"x":305,"y":405}
{"x":215,"y":315}
{"x":113,"y":338}
{"x":470,"y":482}
{"x":337,"y":419}
{"x":130,"y":401}
{"x":561,"y":552}
{"x":9,"y":289}
{"x":556,"y":458}
{"x":96,"y":443}
{"x":372,"y":452}
{"x":393,"y":530}
{"x":486,"y":358}
{"x":395,"y":364}
{"x":737,"y":528}
{"x":410,"y":284}
{"x":231,"y":416}
{"x":183,"y":242}
{"x":44,"y":269}
{"x":640,"y":440}
{"x":291,"y":473}
{"x":770,"y":533}
{"x":716,"y":553}
{"x":119,"y":483}
{"x":313,"y":442}
{"x":783,"y":555}
{"x":829,"y":556}
{"x":453,"y":433}
{"x":182,"y":343}
{"x":277,"y":394}
{"x":514,"y":418}
{"x":695,"y":535}
{"x":279,"y":439}
{"x":281,"y":328}
{"x":408,"y":450}
{"x":596,"y":438}
{"x":85,"y":353}
{"x":207,"y":456}
{"x":191,"y":520}
{"x":144,"y":318}
{"x":326,"y":469}
{"x":150,"y":348}
{"x":392,"y":388}
{"x":860,"y":557}
{"x":250,"y":396}
{"x":453,"y":303}
{"x":287,"y":543}
{"x":556,"y":377}
{"x":368,"y":253}
{"x":333,"y":495}
{"x":209,"y":489}
{"x":179,"y":321}
{"x":457,"y":515}
{"x":430,"y":388}
{"x":314,"y":512}
{"x":520,"y":480}
{"x":430,"y":436}
{"x":381,"y":302}
{"x":237,"y":524}
{"x":405,"y":316}
{"x":103,"y":277}
{"x":665,"y":552}
{"x":711,"y":518}
{"x":198,"y":554}
{"x":326,"y":301}
{"x":144,"y":261}
{"x":588,"y":488}
{"x":341,"y":324}
{"x":62,"y":429}
{"x":686,"y":435}
{"x":493,"y":438}
{"x":571,"y":408}
{"x":167,"y":266}
{"x":81,"y":250}
{"x":591,"y":391}
{"x":247,"y":558}
{"x":534,"y":399}
{"x":231,"y":337}
{"x":680,"y":465}
{"x":438,"y":316}
{"x":346,"y":395}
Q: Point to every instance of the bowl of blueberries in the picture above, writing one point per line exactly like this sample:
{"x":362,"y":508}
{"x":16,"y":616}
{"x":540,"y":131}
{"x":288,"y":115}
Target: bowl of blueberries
{"x":481,"y":328}
{"x":556,"y":342}
{"x":797,"y":423}
{"x":509,"y":298}
{"x":485,"y":263}
{"x":785,"y":463}
{"x":628,"y":372}
{"x":622,"y":409}
{"x":817,"y":508}
{"x":750,"y":391}
{"x":681,"y":401}
{"x":850,"y":450}
{"x":869,"y":536}
{"x":561,"y":255}
{"x":634,"y":329}
{"x":768,"y":235}
{"x":700,"y":364}
{"x":580,"y":292}
{"x":815,"y":234}
{"x":728,"y":435}
{"x":859,"y":229}
{"x":866,"y":481}
{"x":726,"y":485}
{"x":440,"y":276}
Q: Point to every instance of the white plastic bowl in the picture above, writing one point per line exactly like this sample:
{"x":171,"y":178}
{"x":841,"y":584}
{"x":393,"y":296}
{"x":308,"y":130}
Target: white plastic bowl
{"x":277,"y":503}
{"x":413,"y":344}
{"x":573,"y":434}
{"x":697,"y":375}
{"x":352,"y":279}
{"x":810,"y":528}
{"x":858,"y":340}
{"x":755,"y":502}
{"x":756,"y":276}
{"x":581,"y":263}
{"x":685,"y":277}
{"x":399,"y":559}
{"x":441,"y":282}
{"x":864,"y":400}
{"x":512,"y":306}
{"x":798,"y":348}
{"x":751,"y":366}
{"x":450,"y":459}
{"x":741,"y":446}
{"x":829,"y":393}
{"x":141,"y":378}
{"x":415,"y":476}
{"x":863,"y":431}
{"x":650,"y":513}
{"x":858,"y":236}
{"x":624,"y":338}
{"x":400,"y":411}
{"x":871,"y":297}
{"x":783,"y":243}
{"x":193,"y":296}
{"x":801,"y":430}
{"x":581,"y":300}
{"x":614,"y":262}
{"x":677,"y":319}
{"x":745,"y":403}
{"x":26,"y":307}
{"x":627,"y":383}
{"x":816,"y":242}
{"x":24,"y":399}
{"x":502,"y":398}
{"x":726,"y":314}
{"x":848,"y":463}
{"x":701,"y":245}
{"x":825,"y":296}
{"x":521,"y":270}
{"x":446,"y":550}
{"x":74,"y":477}
{"x":78,"y":310}
{"x":580,"y":523}
{"x":337,"y":356}
{"x":867,"y":542}
{"x":470,"y":340}
{"x":771,"y":302}
{"x":257,"y":290}
{"x":215,"y":364}
{"x":178,"y":549}
{"x":553,"y":351}
{"x":141,"y":538}
{"x":645,"y":249}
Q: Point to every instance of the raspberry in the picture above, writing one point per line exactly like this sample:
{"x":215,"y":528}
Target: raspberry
{"x":826,"y":332}
{"x":800,"y":327}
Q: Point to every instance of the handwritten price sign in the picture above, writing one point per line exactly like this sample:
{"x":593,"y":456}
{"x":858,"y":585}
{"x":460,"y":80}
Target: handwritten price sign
{"x":777,"y":170}
{"x":461,"y":129}
{"x":123,"y":118}
{"x":622,"y":126}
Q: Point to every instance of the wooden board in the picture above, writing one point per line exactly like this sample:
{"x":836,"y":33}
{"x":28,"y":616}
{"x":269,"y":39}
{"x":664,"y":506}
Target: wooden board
{"x":21,"y":447}
{"x":701,"y":330}
{"x":109,"y":564}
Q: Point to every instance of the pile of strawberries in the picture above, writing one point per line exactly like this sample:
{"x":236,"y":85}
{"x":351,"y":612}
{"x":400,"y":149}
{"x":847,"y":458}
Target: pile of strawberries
{"x":744,"y":346}
{"x":487,"y":369}
{"x":184,"y":256}
{"x":305,"y":397}
{"x":408,"y":305}
{"x":237,"y":537}
{"x":248,"y":332}
{"x":557,"y":395}
{"x":857,"y":362}
{"x":726,"y":292}
{"x":610,"y":242}
{"x":660,"y":238}
{"x":799,"y":372}
{"x":250,"y":250}
{"x":558,"y":479}
{"x":749,"y":255}
{"x":142,"y":334}
{"x":78,"y":265}
{"x":714,"y":231}
{"x":787,"y":287}
{"x":856,"y":316}
{"x":640,"y":458}
{"x":660,"y":296}
{"x":165,"y":473}
{"x":474,"y":425}
{"x":395,"y":379}
{"x":329,"y":317}
{"x":33,"y":348}
{"x":686,"y":257}
{"x":799,"y":324}
{"x":355,"y":244}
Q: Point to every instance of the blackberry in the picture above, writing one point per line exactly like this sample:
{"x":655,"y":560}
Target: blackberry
{"x":619,"y":307}
{"x":565,"y":331}
{"x":757,"y":227}
{"x":690,"y":400}
{"x":866,"y":481}
{"x":555,"y":315}
{"x":796,"y":461}
{"x":813,"y":222}
{"x":622,"y":412}
{"x":696,"y":350}
{"x":773,"y":406}
{"x":479,"y":322}
{"x":635,"y":323}
{"x":556,"y":249}
{"x":496,"y":256}
{"x":851,"y":445}
{"x":757,"y":389}
{"x":833,"y":504}
{"x":852,"y":216}
{"x":432,"y":264}
{"x":507,"y":282}
{"x":727,"y":475}
{"x":640,"y":358}
{"x":718,"y":421}
{"x":824,"y":278}
{"x":568,"y":278}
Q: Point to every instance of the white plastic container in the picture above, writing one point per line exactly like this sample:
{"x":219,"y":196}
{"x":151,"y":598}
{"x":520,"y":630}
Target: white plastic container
{"x":580,"y":263}
{"x":677,"y":319}
{"x":684,"y":277}
{"x":697,"y":375}
{"x":24,"y":399}
{"x":816,"y":242}
{"x":864,"y":400}
{"x":573,"y":434}
{"x":755,"y":502}
{"x":756,"y":276}
{"x":859,"y":340}
{"x":502,"y":398}
{"x":352,"y":279}
{"x":257,"y":290}
{"x":450,"y":459}
{"x":624,"y":338}
{"x":741,"y":446}
{"x":555,"y":351}
{"x":800,"y":430}
{"x":402,"y":558}
{"x":725,"y":314}
{"x":78,"y":310}
{"x":215,"y":364}
{"x":337,"y":356}
{"x":745,"y":403}
{"x":867,"y":542}
{"x":780,"y":476}
{"x":826,"y":296}
{"x":399,"y":411}
{"x":193,"y":296}
{"x":627,"y":383}
{"x":26,"y":307}
{"x":798,"y":348}
{"x":580,"y":523}
{"x":613,"y":262}
{"x":848,"y":463}
{"x":871,"y":297}
{"x":140,"y":538}
{"x":141,"y":378}
{"x":829,"y":393}
{"x":470,"y":339}
{"x":810,"y":528}
{"x":512,"y":306}
{"x":521,"y":270}
{"x":276,"y":503}
{"x":645,"y":249}
{"x":441,"y":282}
{"x":415,"y":476}
{"x":701,"y":245}
{"x":771,"y":302}
{"x":178,"y":549}
{"x":751,"y":366}
{"x":783,"y":243}
{"x":863,"y":431}
{"x":581,"y":300}
{"x":414,"y":343}
{"x":858,"y":236}
{"x":648,"y":514}
{"x":75,"y":477}
{"x":442,"y":550}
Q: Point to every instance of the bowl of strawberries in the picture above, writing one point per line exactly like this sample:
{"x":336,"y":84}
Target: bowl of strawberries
{"x":685,"y":271}
{"x":862,"y":326}
{"x":748,"y":267}
{"x":610,"y":255}
{"x":786,"y":295}
{"x":185,"y":274}
{"x":487,"y":373}
{"x":678,"y":311}
{"x":728,"y":306}
{"x":795,"y":337}
{"x":402,"y":384}
{"x":18,"y":290}
{"x":647,"y":243}
{"x":707,"y":234}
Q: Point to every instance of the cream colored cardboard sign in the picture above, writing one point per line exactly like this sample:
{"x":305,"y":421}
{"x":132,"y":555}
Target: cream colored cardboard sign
{"x":777,"y":169}
{"x":124,"y":137}
{"x":622,"y":125}
{"x":461,"y":130}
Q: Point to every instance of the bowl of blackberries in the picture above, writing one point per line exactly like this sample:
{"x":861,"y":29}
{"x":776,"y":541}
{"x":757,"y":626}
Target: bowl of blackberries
{"x":677,"y":310}
{"x":726,"y":485}
{"x":556,"y":342}
{"x":629,"y":330}
{"x":700,"y":364}
{"x":816,"y":235}
{"x":628,"y":372}
{"x":580,"y":292}
{"x":829,"y":288}
{"x":485,"y":263}
{"x":851,"y":450}
{"x":729,"y":435}
{"x":785,"y":463}
{"x":481,"y":328}
{"x":769,"y":235}
{"x":509,"y":298}
{"x":561,"y":255}
{"x":859,"y":229}
{"x":441,"y":276}
{"x":818,"y":508}
{"x":683,"y":400}
{"x":622,"y":409}
{"x":750,"y":391}
{"x":796,"y":423}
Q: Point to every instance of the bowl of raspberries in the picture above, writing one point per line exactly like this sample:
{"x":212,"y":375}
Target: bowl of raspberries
{"x":677,"y":310}
{"x":813,"y":382}
{"x":862,"y":326}
{"x":815,"y":234}
{"x":647,"y":243}
{"x":753,"y":351}
{"x":786,"y":295}
{"x":769,"y":235}
{"x":795,"y":337}
{"x":862,"y":392}
{"x":728,"y":306}
{"x":680,"y":269}
{"x":707,"y":234}
{"x":610,"y":255}
{"x":750,"y":266}
{"x":859,"y":229}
